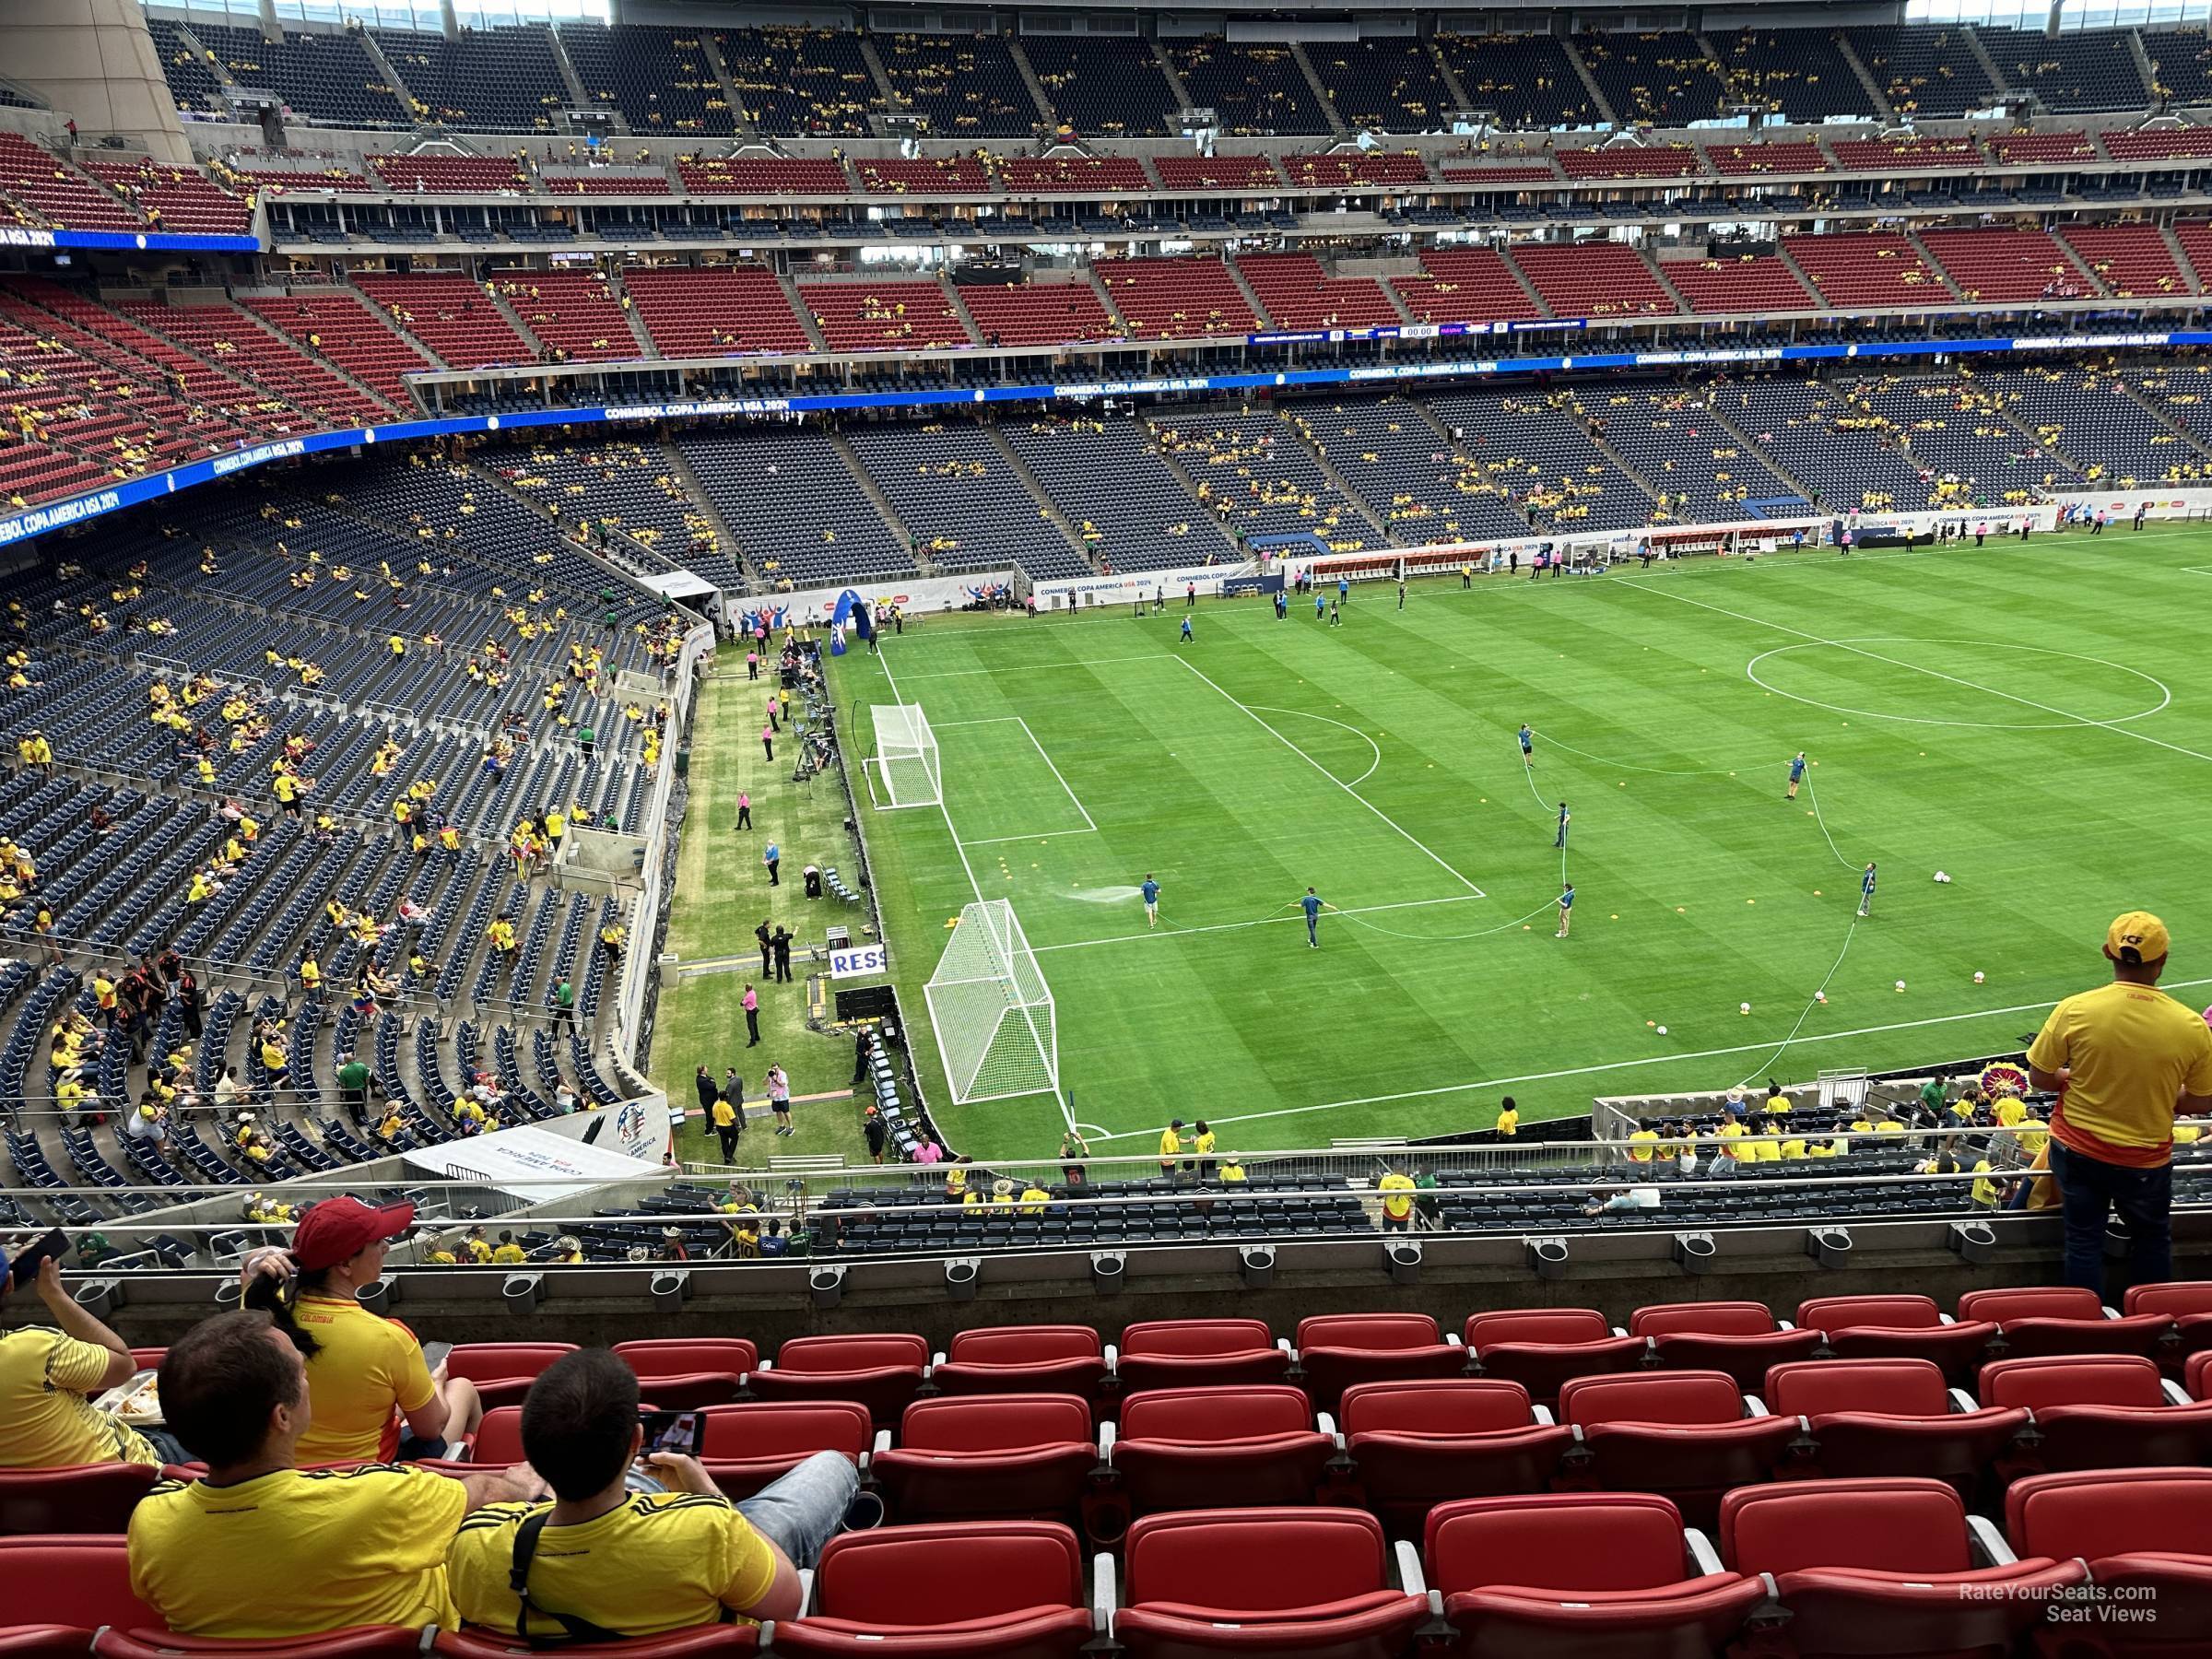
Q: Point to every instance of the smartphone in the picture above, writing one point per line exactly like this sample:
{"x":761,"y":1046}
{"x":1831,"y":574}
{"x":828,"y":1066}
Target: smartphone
{"x":672,"y":1431}
{"x":434,"y":1353}
{"x":25,"y":1267}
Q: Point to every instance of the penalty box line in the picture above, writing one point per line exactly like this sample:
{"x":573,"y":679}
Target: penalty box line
{"x":1612,"y":1065}
{"x":1429,"y":851}
{"x":1179,"y":932}
{"x":960,"y":852}
{"x":1089,"y":824}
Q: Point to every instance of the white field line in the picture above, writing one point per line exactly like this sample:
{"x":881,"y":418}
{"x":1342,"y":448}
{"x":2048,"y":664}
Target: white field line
{"x":2025,"y":703}
{"x":1180,"y":933}
{"x":1150,"y":656}
{"x":1089,"y":824}
{"x":1614,"y":1066}
{"x":994,"y":840}
{"x":1373,"y":748}
{"x":1058,"y":1099}
{"x":1333,"y":778}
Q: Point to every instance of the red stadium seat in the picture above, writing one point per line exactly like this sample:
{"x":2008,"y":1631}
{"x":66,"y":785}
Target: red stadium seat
{"x":703,"y":1640}
{"x":689,"y":1356}
{"x":881,"y":1372}
{"x":1414,"y":1444}
{"x":1024,"y":1359}
{"x":62,"y":1588}
{"x":498,"y":1438}
{"x":96,"y":1498}
{"x":746,"y":1446}
{"x":1316,"y":1585}
{"x":2099,"y":1411}
{"x":490,"y":1362}
{"x":1542,"y":1348}
{"x":1006,"y":1590}
{"x":503,"y":1371}
{"x":362,"y":1642}
{"x":1187,"y":1448}
{"x":45,"y":1641}
{"x":2196,"y":1375}
{"x":1899,"y":1327}
{"x":989,"y":1457}
{"x":1742,"y":1338}
{"x":2061,"y":1319}
{"x":1336,"y":1350}
{"x":694,"y":1392}
{"x":1558,"y":1575}
{"x":682,"y":1373}
{"x":1886,"y":1566}
{"x":1887,"y":1417}
{"x":1683,"y":1434}
{"x":2147,"y":1536}
{"x":1189,"y":1353}
{"x":2188,"y":1302}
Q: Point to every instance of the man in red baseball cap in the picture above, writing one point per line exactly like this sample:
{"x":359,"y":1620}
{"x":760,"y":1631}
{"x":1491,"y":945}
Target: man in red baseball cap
{"x":366,"y":1373}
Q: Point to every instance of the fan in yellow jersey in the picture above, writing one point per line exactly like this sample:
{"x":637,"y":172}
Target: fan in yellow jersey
{"x":261,"y":1548}
{"x":1397,"y":1188}
{"x":2125,"y":1060}
{"x":605,"y":1560}
{"x":366,"y":1373}
{"x":48,"y":1378}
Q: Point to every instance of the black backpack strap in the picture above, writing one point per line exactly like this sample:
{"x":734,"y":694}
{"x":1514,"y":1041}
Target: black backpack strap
{"x":518,"y":1581}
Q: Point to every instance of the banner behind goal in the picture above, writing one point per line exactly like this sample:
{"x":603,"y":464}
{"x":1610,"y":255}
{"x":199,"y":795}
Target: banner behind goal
{"x":992,"y":1010}
{"x":906,"y":755}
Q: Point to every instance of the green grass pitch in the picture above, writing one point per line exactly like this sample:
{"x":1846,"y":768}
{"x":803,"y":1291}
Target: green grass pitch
{"x":2034,"y":719}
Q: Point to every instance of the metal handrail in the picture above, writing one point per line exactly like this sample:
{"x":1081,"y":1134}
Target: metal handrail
{"x":1210,"y":1198}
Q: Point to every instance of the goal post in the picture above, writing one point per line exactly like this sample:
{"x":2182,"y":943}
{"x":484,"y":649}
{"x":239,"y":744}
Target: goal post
{"x":992,"y":1010}
{"x":906,"y":755}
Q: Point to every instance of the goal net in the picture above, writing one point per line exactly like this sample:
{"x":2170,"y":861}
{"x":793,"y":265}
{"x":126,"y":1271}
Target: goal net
{"x":906,"y":755}
{"x":992,"y":1010}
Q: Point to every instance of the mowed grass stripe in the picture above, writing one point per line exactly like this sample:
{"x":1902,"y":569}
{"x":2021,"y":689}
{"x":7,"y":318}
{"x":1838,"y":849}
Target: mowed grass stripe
{"x":2047,"y":832}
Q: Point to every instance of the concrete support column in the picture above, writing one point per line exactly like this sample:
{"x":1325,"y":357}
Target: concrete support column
{"x":93,"y":60}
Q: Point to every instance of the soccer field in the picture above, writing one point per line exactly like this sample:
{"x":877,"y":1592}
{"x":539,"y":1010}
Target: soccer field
{"x":2035,"y":719}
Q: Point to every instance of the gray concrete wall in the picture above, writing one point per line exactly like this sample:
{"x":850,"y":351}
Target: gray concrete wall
{"x":94,"y":59}
{"x":1614,"y":1272}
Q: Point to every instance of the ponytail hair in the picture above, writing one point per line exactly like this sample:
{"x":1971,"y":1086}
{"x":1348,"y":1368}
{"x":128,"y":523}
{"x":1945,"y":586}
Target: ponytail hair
{"x":278,"y":1298}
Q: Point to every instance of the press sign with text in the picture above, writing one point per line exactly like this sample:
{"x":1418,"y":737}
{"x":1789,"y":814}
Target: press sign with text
{"x":858,"y":961}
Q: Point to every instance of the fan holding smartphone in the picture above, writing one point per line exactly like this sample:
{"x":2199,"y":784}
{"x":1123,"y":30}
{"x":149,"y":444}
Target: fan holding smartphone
{"x":638,"y":1540}
{"x":680,"y":1432}
{"x":48,"y":1377}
